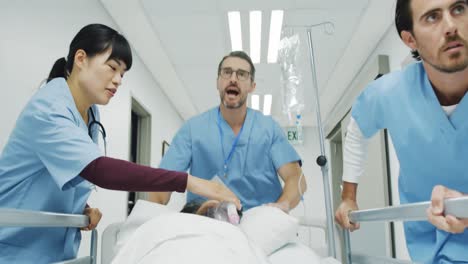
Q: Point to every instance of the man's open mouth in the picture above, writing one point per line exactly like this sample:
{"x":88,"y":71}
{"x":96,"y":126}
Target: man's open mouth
{"x":232,"y":91}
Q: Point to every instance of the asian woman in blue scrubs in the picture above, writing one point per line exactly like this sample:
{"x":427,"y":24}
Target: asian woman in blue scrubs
{"x":51,"y":159}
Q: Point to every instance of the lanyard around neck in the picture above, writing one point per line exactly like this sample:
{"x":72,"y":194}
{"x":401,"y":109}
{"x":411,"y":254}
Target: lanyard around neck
{"x":234,"y":144}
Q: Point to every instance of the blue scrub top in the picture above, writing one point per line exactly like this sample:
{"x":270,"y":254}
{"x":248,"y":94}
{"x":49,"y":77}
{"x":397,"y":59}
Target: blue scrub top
{"x":432,"y":149}
{"x":39,"y":168}
{"x":252,"y":171}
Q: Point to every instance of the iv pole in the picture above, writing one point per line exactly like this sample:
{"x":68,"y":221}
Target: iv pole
{"x":322,"y":159}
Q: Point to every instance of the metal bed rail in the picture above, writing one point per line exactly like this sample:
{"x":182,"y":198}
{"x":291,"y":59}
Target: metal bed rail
{"x":457,"y":207}
{"x":27,"y":218}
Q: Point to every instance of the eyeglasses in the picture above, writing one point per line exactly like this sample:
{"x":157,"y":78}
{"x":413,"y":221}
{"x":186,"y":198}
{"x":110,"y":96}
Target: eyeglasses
{"x":241,"y":75}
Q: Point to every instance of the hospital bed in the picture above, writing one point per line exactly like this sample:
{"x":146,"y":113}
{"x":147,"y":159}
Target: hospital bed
{"x":291,"y":253}
{"x":299,"y":252}
{"x":26,"y":218}
{"x":296,"y":253}
{"x":408,"y":212}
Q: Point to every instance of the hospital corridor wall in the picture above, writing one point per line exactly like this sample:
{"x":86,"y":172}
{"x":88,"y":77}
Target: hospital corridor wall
{"x":34,"y":34}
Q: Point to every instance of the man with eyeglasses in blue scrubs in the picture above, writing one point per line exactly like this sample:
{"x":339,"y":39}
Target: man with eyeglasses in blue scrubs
{"x":238,"y":145}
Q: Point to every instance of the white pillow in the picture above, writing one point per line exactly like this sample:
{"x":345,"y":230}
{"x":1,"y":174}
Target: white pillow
{"x":142,"y":212}
{"x":269,"y":227}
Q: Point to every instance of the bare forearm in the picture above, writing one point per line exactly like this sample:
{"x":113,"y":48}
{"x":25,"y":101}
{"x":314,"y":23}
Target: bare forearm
{"x":159,"y":197}
{"x":291,"y":193}
{"x":348,"y":203}
{"x":349,"y":191}
{"x":291,"y":173}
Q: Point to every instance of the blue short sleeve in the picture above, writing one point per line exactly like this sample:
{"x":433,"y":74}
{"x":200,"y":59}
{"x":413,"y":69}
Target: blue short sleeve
{"x":368,"y":110}
{"x":281,"y":150}
{"x":63,"y":147}
{"x":179,"y":155}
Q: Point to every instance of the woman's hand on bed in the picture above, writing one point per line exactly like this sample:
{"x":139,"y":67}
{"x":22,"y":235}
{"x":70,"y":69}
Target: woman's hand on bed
{"x":94,"y":217}
{"x":342,"y":214}
{"x":212,"y":190}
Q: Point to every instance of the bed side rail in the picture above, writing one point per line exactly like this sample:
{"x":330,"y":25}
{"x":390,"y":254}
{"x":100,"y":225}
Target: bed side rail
{"x":457,"y":207}
{"x":26,"y":218}
{"x":410,"y":212}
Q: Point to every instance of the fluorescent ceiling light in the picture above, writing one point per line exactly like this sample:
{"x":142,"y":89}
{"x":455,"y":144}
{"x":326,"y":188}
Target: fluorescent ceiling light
{"x":255,"y":101}
{"x":276,"y":24}
{"x":255,"y":35}
{"x":235,"y":30}
{"x":267,"y":104}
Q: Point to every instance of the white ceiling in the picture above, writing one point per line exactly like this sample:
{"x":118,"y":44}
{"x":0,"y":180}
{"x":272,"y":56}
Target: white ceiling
{"x":182,"y":41}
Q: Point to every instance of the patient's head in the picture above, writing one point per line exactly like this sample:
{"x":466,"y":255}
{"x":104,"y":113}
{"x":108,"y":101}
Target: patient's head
{"x":199,"y":207}
{"x":214,"y":209}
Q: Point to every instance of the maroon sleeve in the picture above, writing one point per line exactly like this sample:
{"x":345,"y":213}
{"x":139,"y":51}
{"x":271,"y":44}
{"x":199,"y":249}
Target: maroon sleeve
{"x":122,"y":175}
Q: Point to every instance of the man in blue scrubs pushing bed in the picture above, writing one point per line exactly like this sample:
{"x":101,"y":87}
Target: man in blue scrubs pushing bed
{"x":425,"y":109}
{"x":237,"y":145}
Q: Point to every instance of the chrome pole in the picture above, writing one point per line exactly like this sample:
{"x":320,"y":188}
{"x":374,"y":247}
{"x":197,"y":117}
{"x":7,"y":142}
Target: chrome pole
{"x":322,"y":159}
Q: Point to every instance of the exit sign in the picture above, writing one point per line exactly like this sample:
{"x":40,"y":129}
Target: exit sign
{"x":293,"y":135}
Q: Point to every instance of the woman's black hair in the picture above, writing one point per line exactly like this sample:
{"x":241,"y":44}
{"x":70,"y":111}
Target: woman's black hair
{"x":94,"y":39}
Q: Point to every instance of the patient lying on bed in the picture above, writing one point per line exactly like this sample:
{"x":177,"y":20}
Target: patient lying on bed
{"x":190,"y":237}
{"x":222,"y":211}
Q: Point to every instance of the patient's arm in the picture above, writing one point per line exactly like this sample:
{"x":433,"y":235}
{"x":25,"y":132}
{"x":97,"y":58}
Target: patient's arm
{"x":291,"y":196}
{"x":159,"y":197}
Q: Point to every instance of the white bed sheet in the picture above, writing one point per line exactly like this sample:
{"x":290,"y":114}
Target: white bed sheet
{"x":297,"y":253}
{"x":186,"y":238}
{"x":290,"y":253}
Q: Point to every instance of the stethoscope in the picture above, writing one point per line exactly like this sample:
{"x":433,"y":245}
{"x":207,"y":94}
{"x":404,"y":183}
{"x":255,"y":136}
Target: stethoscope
{"x":100,"y":129}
